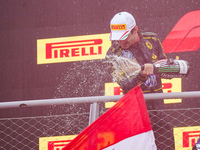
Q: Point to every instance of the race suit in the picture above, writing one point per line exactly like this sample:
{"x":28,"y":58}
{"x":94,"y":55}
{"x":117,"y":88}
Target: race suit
{"x":147,"y":50}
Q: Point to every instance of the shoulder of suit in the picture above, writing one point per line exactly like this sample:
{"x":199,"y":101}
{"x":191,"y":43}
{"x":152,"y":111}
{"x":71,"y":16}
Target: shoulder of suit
{"x":149,"y":35}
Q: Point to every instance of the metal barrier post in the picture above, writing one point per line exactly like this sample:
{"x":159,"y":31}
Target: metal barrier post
{"x":94,"y":112}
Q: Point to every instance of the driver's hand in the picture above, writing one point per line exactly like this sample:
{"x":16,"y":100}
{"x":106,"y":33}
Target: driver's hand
{"x":148,"y":69}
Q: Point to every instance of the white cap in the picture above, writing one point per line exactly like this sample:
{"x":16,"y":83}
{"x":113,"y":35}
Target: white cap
{"x":121,"y":25}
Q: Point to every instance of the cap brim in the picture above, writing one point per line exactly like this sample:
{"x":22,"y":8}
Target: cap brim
{"x":118,"y":35}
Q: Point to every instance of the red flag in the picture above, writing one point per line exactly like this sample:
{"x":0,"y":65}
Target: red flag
{"x":124,"y":126}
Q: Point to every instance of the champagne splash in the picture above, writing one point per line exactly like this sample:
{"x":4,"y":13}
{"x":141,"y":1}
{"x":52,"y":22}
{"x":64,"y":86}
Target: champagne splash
{"x":124,"y":68}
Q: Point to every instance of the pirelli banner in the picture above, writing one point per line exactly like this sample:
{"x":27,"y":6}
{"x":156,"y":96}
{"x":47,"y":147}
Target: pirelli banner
{"x":186,"y":137}
{"x":69,"y":49}
{"x":55,"y":142}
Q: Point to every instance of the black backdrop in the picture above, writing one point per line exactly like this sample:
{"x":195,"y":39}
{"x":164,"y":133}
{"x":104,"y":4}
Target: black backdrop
{"x":23,"y":22}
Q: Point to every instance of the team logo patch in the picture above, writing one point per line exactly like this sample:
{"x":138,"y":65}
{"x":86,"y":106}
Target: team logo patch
{"x":154,"y":56}
{"x":151,"y":81}
{"x":149,"y":45}
{"x":127,"y":54}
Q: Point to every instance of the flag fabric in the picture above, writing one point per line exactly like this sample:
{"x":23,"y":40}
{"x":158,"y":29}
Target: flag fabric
{"x":125,"y":126}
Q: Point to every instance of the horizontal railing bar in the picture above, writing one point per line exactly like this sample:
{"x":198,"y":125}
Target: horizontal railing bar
{"x":92,"y":99}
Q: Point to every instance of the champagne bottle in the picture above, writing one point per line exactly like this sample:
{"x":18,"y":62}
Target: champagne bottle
{"x":169,"y":68}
